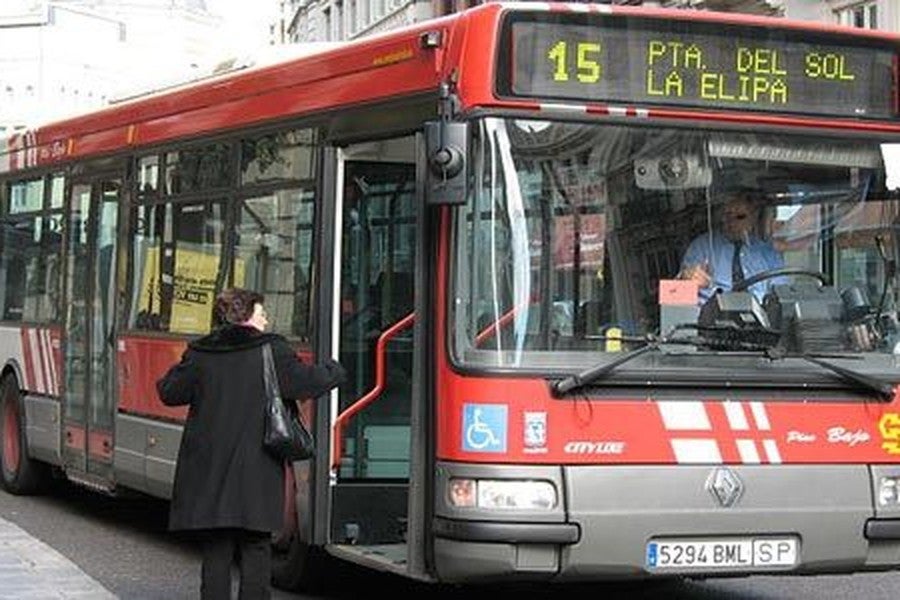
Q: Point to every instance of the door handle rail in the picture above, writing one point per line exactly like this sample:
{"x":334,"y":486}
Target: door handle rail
{"x":369,"y":397}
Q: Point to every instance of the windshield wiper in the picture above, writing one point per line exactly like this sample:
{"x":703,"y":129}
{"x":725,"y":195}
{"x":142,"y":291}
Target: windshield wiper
{"x":883,"y":389}
{"x":873,"y":384}
{"x":651,"y":343}
{"x":567,"y":384}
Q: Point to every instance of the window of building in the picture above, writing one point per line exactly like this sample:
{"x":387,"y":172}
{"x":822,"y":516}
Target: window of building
{"x":863,"y":14}
{"x":339,"y":19}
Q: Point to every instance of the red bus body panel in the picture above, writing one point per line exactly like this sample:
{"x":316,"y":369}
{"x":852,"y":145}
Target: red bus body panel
{"x":695,"y":429}
{"x":142,"y":362}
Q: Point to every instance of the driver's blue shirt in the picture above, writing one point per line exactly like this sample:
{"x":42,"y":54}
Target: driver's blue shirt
{"x":757,"y":256}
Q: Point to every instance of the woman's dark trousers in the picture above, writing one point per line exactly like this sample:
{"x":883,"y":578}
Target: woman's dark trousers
{"x":253,"y":555}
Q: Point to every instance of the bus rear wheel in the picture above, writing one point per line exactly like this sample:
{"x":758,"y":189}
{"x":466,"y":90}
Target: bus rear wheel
{"x":19,"y":474}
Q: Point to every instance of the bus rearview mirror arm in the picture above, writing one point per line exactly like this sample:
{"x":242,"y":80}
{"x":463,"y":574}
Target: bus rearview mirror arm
{"x":446,"y":142}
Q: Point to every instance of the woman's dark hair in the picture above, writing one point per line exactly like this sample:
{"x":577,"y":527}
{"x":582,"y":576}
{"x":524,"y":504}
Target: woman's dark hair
{"x":235,"y":305}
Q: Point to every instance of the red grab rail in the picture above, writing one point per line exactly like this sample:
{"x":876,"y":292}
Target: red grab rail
{"x":337,"y":443}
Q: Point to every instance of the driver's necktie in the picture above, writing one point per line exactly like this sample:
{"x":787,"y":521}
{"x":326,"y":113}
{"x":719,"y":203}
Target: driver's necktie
{"x":737,"y":270}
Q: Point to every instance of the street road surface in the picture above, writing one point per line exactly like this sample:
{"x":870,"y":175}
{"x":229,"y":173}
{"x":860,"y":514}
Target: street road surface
{"x":124,"y":545}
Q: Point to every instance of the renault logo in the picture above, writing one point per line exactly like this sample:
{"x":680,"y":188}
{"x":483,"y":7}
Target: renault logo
{"x":725,"y":486}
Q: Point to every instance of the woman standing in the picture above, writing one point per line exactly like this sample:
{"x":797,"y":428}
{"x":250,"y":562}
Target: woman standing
{"x":226,"y":484}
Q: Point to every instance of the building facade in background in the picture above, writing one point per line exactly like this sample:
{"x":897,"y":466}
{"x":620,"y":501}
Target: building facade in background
{"x":303,"y":21}
{"x":62,"y":57}
{"x":49,"y":61}
{"x":336,"y":20}
{"x":870,"y":14}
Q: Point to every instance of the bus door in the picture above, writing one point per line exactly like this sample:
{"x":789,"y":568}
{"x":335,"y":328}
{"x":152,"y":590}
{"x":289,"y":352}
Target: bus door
{"x":375,"y":345}
{"x":88,"y":334}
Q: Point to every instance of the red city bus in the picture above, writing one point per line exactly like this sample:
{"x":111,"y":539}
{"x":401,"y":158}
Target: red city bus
{"x":484,"y":218}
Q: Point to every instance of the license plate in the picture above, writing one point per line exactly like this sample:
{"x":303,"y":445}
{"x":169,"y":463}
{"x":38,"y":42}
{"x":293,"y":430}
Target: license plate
{"x":725,"y":553}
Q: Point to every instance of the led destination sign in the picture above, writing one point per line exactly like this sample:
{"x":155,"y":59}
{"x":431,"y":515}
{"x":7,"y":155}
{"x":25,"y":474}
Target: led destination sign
{"x":694,"y":64}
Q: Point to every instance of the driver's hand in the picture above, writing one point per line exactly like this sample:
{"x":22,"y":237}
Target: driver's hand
{"x":698,"y":273}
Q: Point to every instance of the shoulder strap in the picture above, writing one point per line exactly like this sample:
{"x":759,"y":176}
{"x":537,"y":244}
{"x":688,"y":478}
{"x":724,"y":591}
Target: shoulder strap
{"x":270,"y":376}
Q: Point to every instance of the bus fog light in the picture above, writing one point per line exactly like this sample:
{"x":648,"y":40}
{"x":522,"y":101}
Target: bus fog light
{"x":889,"y":491}
{"x":516,"y":495}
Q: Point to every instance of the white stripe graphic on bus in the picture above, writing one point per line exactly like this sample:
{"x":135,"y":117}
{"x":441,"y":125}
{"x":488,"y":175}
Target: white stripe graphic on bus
{"x":684,"y":416}
{"x":36,"y":362}
{"x":749,"y":453}
{"x":45,"y":359}
{"x":693,"y":416}
{"x":51,"y":358}
{"x":736,"y":417}
{"x":696,"y":451}
{"x":772,"y":451}
{"x":759,"y":414}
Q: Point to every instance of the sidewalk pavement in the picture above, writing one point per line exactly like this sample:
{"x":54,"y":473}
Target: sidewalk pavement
{"x":32,"y":570}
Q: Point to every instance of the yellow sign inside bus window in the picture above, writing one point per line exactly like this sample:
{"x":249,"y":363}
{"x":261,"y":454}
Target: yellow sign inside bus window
{"x":194,"y":287}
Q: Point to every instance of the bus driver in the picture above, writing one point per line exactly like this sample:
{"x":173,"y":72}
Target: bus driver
{"x":718,"y":259}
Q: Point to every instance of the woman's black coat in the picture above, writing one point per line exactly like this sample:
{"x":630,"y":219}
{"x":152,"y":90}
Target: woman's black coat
{"x":224,"y":477}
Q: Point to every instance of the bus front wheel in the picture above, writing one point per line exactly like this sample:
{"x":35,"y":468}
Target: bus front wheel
{"x":299,"y":566}
{"x":296,"y":564}
{"x":19,"y":474}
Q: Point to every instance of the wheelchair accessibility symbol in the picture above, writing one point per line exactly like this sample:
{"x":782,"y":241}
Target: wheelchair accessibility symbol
{"x":484,"y":427}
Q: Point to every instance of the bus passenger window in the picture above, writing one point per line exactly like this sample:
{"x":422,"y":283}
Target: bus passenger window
{"x":148,"y":175}
{"x":198,"y":169}
{"x":29,"y":259}
{"x":18,"y":239}
{"x":273,"y":255}
{"x":176,"y":266}
{"x":281,"y":156}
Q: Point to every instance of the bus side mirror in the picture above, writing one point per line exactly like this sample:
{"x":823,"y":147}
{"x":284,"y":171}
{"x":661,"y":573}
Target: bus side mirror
{"x":446,"y":146}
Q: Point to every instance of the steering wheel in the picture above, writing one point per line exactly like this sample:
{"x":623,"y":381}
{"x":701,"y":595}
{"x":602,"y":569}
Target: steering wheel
{"x":781,"y":272}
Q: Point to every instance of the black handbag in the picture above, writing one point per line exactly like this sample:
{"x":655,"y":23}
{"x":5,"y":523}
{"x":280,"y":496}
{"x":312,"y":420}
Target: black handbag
{"x":285,"y":435}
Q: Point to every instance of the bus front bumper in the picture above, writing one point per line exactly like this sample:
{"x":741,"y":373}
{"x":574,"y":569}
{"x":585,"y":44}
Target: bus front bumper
{"x":615,"y":518}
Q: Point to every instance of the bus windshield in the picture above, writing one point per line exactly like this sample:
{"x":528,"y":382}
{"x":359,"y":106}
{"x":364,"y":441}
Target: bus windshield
{"x":578,"y":240}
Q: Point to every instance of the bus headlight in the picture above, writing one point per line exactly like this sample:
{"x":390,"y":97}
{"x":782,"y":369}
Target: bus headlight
{"x":502,"y":494}
{"x":889,"y":491}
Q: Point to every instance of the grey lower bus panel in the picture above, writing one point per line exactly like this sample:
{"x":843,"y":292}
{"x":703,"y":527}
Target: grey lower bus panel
{"x":42,"y":429}
{"x":145,"y":455}
{"x":145,"y":452}
{"x":619,"y":509}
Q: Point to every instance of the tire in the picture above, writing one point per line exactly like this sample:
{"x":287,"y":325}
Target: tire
{"x":297,"y":566}
{"x":19,"y":474}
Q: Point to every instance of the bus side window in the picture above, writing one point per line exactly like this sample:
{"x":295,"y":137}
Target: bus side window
{"x":273,"y":254}
{"x":176,"y":266}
